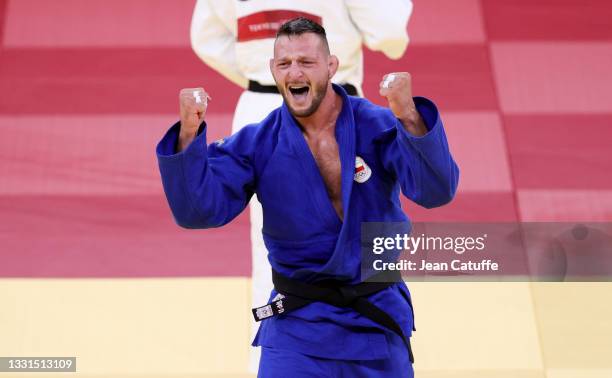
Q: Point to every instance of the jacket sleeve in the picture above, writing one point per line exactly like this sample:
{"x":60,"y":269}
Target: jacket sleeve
{"x":424,"y":167}
{"x":206,"y":186}
{"x":213,"y":42}
{"x":382,"y":24}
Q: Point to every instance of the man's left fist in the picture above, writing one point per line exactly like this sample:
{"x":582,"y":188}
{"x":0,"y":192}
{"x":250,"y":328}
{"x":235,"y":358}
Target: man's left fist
{"x":397,"y":88}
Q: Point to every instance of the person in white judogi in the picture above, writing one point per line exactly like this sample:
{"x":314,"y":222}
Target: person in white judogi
{"x":236,"y":37}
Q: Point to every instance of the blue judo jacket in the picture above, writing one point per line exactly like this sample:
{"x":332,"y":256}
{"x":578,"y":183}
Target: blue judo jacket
{"x":208,"y":186}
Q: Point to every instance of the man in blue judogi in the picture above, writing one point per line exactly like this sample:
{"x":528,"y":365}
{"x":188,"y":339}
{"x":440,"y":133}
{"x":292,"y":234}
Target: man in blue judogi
{"x":321,"y":164}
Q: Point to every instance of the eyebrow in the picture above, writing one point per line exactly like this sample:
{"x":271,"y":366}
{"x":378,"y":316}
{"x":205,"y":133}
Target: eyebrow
{"x":299,"y":58}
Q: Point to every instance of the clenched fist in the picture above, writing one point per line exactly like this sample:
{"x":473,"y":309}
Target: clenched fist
{"x":397,"y":88}
{"x":193,"y":103}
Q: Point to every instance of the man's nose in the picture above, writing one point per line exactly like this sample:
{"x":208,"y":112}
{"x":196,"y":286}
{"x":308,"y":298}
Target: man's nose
{"x":295,"y":71}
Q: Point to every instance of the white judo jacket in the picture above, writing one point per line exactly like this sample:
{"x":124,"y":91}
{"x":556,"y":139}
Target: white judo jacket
{"x":235,"y":37}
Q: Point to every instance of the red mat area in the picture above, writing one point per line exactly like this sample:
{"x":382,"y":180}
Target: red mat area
{"x":105,"y":81}
{"x":457,"y":76}
{"x":565,"y":205}
{"x":456,"y":21}
{"x":548,"y":19}
{"x":2,"y":18}
{"x":113,"y":236}
{"x":78,"y":154}
{"x":484,"y":165}
{"x":560,"y":151}
{"x":553,"y":77}
{"x":66,"y":23}
{"x":468,"y":207}
{"x":87,"y":89}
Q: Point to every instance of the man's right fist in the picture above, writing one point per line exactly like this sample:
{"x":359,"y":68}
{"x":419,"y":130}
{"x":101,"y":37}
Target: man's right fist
{"x":193,"y":103}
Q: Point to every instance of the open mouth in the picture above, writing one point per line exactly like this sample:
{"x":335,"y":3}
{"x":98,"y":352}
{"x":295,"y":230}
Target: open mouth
{"x":299,"y":92}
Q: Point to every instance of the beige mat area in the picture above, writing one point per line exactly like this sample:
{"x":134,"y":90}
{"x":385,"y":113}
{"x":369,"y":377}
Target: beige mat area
{"x":575,"y":326}
{"x":172,"y":327}
{"x":199,"y":327}
{"x":475,"y":326}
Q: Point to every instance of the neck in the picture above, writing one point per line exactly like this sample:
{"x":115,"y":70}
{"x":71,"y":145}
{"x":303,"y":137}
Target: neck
{"x":326,"y":115}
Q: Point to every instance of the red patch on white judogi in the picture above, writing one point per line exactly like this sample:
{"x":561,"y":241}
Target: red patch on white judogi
{"x":265,"y":24}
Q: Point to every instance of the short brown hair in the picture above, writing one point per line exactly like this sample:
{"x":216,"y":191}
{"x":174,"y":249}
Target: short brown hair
{"x":301,"y":25}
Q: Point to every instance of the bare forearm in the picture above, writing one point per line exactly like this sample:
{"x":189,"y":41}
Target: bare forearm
{"x":397,"y":88}
{"x":185,"y":139}
{"x":413,"y":123}
{"x":193,"y":103}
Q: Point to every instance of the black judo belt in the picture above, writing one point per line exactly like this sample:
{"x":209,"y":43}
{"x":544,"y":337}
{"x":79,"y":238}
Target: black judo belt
{"x":297,"y":294}
{"x":260,"y":88}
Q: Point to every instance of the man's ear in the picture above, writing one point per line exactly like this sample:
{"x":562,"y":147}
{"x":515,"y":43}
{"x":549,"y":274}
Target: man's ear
{"x":272,"y":66}
{"x":332,"y":65}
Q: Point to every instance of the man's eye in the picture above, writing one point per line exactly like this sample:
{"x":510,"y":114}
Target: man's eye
{"x":283,"y":64}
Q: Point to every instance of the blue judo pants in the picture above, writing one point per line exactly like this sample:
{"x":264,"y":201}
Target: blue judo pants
{"x":277,"y":363}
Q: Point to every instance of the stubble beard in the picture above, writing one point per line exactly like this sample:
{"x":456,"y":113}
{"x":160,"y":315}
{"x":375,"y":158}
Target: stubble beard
{"x":319,"y":92}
